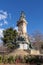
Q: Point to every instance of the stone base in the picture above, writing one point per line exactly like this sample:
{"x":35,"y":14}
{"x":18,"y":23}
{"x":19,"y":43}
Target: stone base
{"x":35,"y":52}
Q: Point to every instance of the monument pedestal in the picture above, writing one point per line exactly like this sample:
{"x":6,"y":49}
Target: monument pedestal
{"x":35,"y":52}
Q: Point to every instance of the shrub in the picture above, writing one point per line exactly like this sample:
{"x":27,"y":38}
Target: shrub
{"x":5,"y":59}
{"x":31,"y":59}
{"x":0,"y":59}
{"x":26,"y":59}
{"x":10,"y":59}
{"x":18,"y":59}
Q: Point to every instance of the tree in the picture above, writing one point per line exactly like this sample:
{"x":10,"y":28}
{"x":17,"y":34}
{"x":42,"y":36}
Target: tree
{"x":38,"y":39}
{"x":9,"y":37}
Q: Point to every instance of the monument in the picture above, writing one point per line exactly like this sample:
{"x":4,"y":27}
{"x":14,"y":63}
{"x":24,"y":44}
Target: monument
{"x":23,"y":39}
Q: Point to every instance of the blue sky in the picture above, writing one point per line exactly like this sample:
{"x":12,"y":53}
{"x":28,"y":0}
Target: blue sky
{"x":10,"y":13}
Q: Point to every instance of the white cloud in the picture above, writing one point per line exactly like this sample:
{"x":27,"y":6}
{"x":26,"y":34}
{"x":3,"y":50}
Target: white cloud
{"x":1,"y":33}
{"x":16,"y":28}
{"x":3,"y":17}
{"x":5,"y":22}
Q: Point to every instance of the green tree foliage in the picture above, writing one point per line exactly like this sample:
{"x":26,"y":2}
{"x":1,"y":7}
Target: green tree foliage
{"x":9,"y":35}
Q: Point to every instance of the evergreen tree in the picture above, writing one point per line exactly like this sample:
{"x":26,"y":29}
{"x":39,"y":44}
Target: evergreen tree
{"x":9,"y":37}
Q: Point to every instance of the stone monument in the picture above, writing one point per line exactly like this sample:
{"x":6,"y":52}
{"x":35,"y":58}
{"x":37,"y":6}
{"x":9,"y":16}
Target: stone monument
{"x":23,"y":39}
